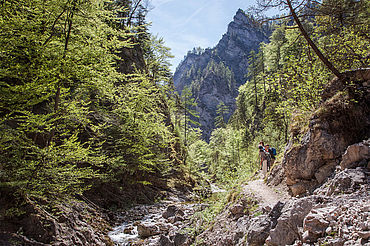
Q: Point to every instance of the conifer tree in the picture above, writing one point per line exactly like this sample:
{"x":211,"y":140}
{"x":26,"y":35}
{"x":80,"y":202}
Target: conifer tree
{"x":222,"y":111}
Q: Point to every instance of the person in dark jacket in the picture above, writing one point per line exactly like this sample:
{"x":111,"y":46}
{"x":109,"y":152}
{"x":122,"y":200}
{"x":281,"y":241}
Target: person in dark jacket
{"x":264,"y":158}
{"x":272,"y":157}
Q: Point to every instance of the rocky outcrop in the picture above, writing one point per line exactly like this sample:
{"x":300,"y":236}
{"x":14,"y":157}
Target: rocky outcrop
{"x":216,"y":74}
{"x":344,"y":216}
{"x":343,"y":119}
{"x":258,"y":230}
{"x":337,"y":213}
{"x":356,"y":153}
{"x":346,"y":181}
{"x":231,"y":226}
{"x":287,"y":227}
{"x":76,"y":223}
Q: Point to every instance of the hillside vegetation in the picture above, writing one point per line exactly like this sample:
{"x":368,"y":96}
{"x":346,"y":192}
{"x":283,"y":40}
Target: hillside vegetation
{"x":286,"y":81}
{"x":90,"y":121}
{"x":86,"y":109}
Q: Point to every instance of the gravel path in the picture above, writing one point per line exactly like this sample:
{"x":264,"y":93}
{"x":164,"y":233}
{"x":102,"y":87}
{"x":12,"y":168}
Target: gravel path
{"x":269,"y":196}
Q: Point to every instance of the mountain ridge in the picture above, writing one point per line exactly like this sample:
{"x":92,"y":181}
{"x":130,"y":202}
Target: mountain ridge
{"x":215,"y":74}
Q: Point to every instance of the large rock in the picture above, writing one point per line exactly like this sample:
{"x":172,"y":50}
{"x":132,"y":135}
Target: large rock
{"x":286,"y":230}
{"x":181,"y":239}
{"x":355,"y":153}
{"x":237,"y":209}
{"x":346,"y":181}
{"x":316,"y":223}
{"x":342,"y":120}
{"x":165,"y":241}
{"x":275,"y":213}
{"x":172,"y":211}
{"x":147,"y":229}
{"x":258,"y":230}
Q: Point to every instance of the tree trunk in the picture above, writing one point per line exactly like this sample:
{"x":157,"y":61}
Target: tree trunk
{"x":326,"y":62}
{"x":59,"y":84}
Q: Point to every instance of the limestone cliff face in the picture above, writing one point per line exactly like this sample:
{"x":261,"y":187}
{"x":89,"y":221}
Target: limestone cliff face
{"x":216,"y":74}
{"x":243,"y":35}
{"x":343,"y":119}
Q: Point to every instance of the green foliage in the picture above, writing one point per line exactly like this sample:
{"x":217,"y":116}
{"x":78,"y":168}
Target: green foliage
{"x":67,"y":115}
{"x":222,"y":111}
{"x":226,"y":153}
{"x":199,"y":156}
{"x":285,"y":82}
{"x":189,"y":104}
{"x":156,"y":56}
{"x":54,"y":55}
{"x":136,"y":135}
{"x":186,"y":121}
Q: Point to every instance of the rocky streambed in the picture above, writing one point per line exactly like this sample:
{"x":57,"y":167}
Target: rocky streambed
{"x":163,"y":223}
{"x":336,"y":214}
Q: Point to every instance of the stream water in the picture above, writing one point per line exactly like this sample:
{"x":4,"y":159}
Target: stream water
{"x":127,"y":232}
{"x":158,"y":223}
{"x":120,"y":237}
{"x":149,"y":220}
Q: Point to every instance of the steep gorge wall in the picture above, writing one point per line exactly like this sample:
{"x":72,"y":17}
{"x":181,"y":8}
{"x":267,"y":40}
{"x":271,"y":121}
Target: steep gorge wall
{"x":343,"y":119}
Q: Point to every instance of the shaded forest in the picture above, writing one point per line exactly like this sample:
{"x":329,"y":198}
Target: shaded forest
{"x":86,"y":100}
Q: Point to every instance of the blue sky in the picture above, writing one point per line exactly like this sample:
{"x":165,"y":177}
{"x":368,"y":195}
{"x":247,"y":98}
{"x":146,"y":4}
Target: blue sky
{"x":185,"y":24}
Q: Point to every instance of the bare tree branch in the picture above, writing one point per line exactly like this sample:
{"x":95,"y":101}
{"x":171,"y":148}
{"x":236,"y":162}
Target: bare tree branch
{"x":133,"y":12}
{"x":53,"y":26}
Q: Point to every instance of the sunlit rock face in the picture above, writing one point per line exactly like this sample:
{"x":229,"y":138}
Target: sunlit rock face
{"x":215,"y":74}
{"x":337,"y":136}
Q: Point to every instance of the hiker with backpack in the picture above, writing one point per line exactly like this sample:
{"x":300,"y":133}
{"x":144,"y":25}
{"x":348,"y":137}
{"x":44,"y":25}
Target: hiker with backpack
{"x":261,"y":154}
{"x":272,"y":152}
{"x":264,"y":158}
{"x":267,"y":155}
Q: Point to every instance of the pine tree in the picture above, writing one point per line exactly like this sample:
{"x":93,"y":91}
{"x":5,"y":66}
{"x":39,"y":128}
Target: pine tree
{"x":222,"y":111}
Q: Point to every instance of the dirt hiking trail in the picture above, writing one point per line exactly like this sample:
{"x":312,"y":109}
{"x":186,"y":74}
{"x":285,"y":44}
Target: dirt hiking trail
{"x":268,"y":196}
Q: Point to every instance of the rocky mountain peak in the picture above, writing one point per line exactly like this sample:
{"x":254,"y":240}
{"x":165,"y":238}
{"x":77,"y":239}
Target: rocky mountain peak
{"x":216,"y":74}
{"x":241,"y":19}
{"x":244,"y":27}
